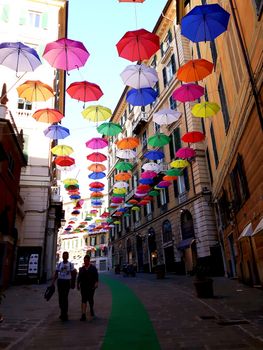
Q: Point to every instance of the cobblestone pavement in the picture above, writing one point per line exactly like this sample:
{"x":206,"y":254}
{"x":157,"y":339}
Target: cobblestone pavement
{"x":233,"y":319}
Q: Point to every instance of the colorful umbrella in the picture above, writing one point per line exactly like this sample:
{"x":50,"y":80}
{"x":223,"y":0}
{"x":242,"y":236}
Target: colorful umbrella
{"x":133,"y":201}
{"x":158,"y":140}
{"x":109,"y":129}
{"x":185,"y":152}
{"x":97,"y":195}
{"x":48,"y":115}
{"x":188,"y":92}
{"x":71,"y":187}
{"x":96,"y":167}
{"x":141,"y":97}
{"x":75,"y":196}
{"x":96,"y":184}
{"x":163,"y":184}
{"x":146,"y":181}
{"x":169,"y":178}
{"x":119,"y":190}
{"x":19,"y":57}
{"x":96,"y":176}
{"x":143,"y":188}
{"x":173,"y":172}
{"x":94,"y":189}
{"x":124,"y":166}
{"x":154,"y":155}
{"x":148,"y":174}
{"x":121,"y":184}
{"x":166,"y":116}
{"x":195,"y":70}
{"x":128,"y":143}
{"x":205,"y":109}
{"x":56,"y":132}
{"x":116,"y":200}
{"x":179,"y":163}
{"x":138,"y":45}
{"x":97,"y":143}
{"x":193,"y":137}
{"x":122,"y":176}
{"x":139,"y":76}
{"x":62,"y":150}
{"x":66,"y":54}
{"x":64,"y":161}
{"x":96,"y":113}
{"x":204,"y":22}
{"x":152,"y":167}
{"x":35,"y":90}
{"x":126,"y":154}
{"x":96,"y":157}
{"x":70,"y":181}
{"x":84,"y":91}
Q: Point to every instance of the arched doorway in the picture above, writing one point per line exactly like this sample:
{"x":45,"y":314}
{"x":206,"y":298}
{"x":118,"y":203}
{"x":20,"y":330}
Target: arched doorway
{"x":168,"y":246}
{"x":152,"y":249}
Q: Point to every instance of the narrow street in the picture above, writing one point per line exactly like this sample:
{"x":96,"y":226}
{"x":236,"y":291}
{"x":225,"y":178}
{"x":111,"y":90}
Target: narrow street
{"x":139,"y":312}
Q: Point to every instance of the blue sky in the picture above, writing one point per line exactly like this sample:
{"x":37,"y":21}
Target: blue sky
{"x":100,"y":29}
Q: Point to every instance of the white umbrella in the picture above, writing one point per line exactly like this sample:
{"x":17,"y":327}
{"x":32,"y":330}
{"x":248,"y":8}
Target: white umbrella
{"x":121,"y":184}
{"x":126,"y":154}
{"x":139,"y":76}
{"x":151,"y":167}
{"x":166,"y":116}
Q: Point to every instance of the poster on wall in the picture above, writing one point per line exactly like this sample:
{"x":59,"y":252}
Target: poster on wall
{"x":28,"y":264}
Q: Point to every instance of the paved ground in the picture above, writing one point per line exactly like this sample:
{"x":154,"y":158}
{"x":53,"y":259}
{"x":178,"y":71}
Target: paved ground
{"x":233,"y":319}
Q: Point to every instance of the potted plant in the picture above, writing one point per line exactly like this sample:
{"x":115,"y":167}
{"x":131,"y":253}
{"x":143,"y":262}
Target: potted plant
{"x":203,"y":282}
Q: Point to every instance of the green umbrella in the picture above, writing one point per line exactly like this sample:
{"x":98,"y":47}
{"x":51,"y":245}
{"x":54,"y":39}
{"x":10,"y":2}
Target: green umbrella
{"x":124,"y":166}
{"x":109,"y":129}
{"x":119,"y":195}
{"x":88,"y":218}
{"x":158,"y":140}
{"x":173,"y":172}
{"x":153,"y":193}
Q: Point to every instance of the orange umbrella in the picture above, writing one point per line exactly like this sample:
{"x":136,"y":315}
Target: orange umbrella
{"x":128,"y":143}
{"x":96,"y":167}
{"x":133,"y":201}
{"x":35,"y":90}
{"x":48,"y":115}
{"x":97,"y":195}
{"x":195,"y":70}
{"x":169,"y":178}
{"x":122,"y":176}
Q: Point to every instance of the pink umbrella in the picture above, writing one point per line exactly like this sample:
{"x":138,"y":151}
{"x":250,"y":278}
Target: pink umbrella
{"x":142,"y":191}
{"x":97,"y":143}
{"x":163,"y":184}
{"x":148,"y":174}
{"x":66,"y":54}
{"x":185,"y":152}
{"x":116,"y":200}
{"x":188,"y":92}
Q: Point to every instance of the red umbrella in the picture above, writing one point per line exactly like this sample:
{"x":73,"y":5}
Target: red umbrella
{"x":193,"y":136}
{"x":64,"y":161}
{"x":96,"y":157}
{"x":96,"y":184}
{"x":138,"y":45}
{"x":84,"y":91}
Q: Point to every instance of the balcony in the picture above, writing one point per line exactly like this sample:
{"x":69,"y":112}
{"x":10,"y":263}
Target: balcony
{"x":140,"y":122}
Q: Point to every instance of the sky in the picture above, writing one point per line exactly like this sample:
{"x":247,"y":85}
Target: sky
{"x":99,"y":25}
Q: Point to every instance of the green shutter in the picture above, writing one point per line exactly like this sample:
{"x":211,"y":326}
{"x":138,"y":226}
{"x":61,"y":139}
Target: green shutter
{"x":45,"y":20}
{"x":177,"y":139}
{"x":5,"y":13}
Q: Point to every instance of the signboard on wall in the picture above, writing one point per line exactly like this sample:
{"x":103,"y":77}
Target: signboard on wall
{"x":28,"y":264}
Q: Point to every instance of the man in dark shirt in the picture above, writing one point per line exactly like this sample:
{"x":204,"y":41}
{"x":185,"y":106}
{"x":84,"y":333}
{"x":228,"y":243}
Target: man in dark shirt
{"x":87,"y":283}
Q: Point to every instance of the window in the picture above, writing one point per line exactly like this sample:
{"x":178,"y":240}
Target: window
{"x":166,"y":43}
{"x":259,"y":6}
{"x":167,"y":231}
{"x":5,"y":13}
{"x":198,"y":50}
{"x":175,"y":143}
{"x":144,"y":140}
{"x":172,"y":103}
{"x":239,"y":183}
{"x":34,"y":19}
{"x":156,"y":88}
{"x":169,"y":71}
{"x":183,"y":182}
{"x":223,"y":103}
{"x":157,"y":127}
{"x":214,"y":144}
{"x":23,"y":104}
{"x":213,"y":51}
{"x":154,"y":62}
{"x":209,"y":166}
{"x":102,"y":239}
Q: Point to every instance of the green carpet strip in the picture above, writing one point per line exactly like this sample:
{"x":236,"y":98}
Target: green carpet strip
{"x":129,"y":326}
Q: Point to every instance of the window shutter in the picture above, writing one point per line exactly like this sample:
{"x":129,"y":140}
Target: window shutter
{"x":170,"y":36}
{"x":214,"y":144}
{"x":177,"y":139}
{"x":186,"y":179}
{"x":164,"y":77}
{"x":213,"y":52}
{"x":175,"y":189}
{"x":171,"y":147}
{"x":5,"y":13}
{"x":173,"y":64}
{"x":45,"y":20}
{"x":167,"y":195}
{"x":243,"y":179}
{"x":162,"y":50}
{"x":223,"y":101}
{"x":234,"y":189}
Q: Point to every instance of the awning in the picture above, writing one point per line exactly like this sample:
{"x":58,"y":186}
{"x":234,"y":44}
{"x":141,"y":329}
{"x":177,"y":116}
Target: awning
{"x":185,"y":243}
{"x":246,"y":232}
{"x":259,"y":228}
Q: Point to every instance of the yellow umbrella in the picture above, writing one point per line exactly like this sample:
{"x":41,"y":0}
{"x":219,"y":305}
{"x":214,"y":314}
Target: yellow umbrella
{"x":179,"y":163}
{"x":62,"y":150}
{"x":116,"y":222}
{"x":35,"y":90}
{"x":96,"y":113}
{"x":205,"y":109}
{"x":119,"y":190}
{"x":70,"y":181}
{"x":136,"y":208}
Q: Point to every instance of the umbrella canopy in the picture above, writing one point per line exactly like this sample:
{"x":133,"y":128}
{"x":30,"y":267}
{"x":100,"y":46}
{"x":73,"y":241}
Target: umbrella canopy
{"x":75,"y":196}
{"x":152,"y":167}
{"x":70,"y":181}
{"x":56,"y":132}
{"x":154,"y":193}
{"x":128,"y":143}
{"x":193,"y":137}
{"x":121,"y":190}
{"x":71,"y":187}
{"x":96,"y":167}
{"x":146,"y":181}
{"x":97,"y":143}
{"x":205,"y":22}
{"x":124,"y":166}
{"x":109,"y":129}
{"x":62,"y":150}
{"x":96,"y":157}
{"x":166,"y":116}
{"x":158,"y":140}
{"x":96,"y":176}
{"x":84,"y":91}
{"x":64,"y":161}
{"x":34,"y":91}
{"x":179,"y":163}
{"x":173,"y":172}
{"x":96,"y":113}
{"x":126,"y":154}
{"x":94,"y":189}
{"x":169,"y":178}
{"x":47,"y":115}
{"x":138,"y":45}
{"x":19,"y":57}
{"x":143,"y":188}
{"x":139,"y":76}
{"x":121,"y":184}
{"x":154,"y":155}
{"x":188,"y":92}
{"x":141,"y":97}
{"x":185,"y":152}
{"x":96,"y":184}
{"x":97,"y":195}
{"x":163,"y":184}
{"x":205,"y":109}
{"x":122,"y":176}
{"x":195,"y":70}
{"x":148,"y":174}
{"x":116,"y":199}
{"x":66,"y":54}
{"x":133,"y":201}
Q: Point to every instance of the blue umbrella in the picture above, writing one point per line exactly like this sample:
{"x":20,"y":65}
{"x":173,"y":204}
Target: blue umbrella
{"x":141,"y":97}
{"x":205,"y":22}
{"x":97,"y":176}
{"x":154,"y":155}
{"x":146,"y":181}
{"x":56,"y":132}
{"x":93,"y":189}
{"x":96,"y":202}
{"x":19,"y":57}
{"x":74,"y":196}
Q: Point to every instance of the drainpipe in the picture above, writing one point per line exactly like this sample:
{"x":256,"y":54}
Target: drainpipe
{"x":247,"y":62}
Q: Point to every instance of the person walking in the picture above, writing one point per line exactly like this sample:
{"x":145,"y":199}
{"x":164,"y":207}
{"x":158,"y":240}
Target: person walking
{"x":87,"y":282}
{"x":63,"y":274}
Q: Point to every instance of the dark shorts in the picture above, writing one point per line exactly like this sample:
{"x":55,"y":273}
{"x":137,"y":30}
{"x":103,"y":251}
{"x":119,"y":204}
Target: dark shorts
{"x":87,"y":294}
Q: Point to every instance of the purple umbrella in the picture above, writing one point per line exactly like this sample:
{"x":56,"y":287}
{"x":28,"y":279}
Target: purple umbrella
{"x":97,"y":143}
{"x":66,"y":54}
{"x":141,"y":97}
{"x":188,"y":92}
{"x":163,"y":184}
{"x":56,"y":132}
{"x":19,"y":57}
{"x":185,"y":152}
{"x":154,"y":155}
{"x":97,"y":176}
